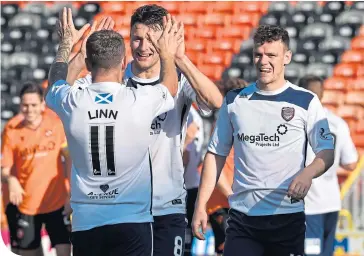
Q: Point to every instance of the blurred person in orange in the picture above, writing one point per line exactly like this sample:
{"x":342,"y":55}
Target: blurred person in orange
{"x":32,"y":151}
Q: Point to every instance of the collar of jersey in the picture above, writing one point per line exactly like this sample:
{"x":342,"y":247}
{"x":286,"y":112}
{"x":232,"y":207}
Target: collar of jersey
{"x":275,"y":92}
{"x":108,"y":87}
{"x":138,"y":79}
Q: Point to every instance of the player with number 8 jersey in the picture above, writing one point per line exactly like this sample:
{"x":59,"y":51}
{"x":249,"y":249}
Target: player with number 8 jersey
{"x":107,"y":126}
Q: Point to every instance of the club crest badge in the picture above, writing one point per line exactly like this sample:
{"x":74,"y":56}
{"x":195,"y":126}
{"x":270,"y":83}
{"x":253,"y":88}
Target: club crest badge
{"x":287,"y":113}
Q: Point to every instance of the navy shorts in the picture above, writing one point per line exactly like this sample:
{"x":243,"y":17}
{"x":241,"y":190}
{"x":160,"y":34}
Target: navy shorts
{"x":169,"y":235}
{"x":131,"y":239}
{"x":281,"y":234}
{"x":25,"y":229}
{"x":320,"y":235}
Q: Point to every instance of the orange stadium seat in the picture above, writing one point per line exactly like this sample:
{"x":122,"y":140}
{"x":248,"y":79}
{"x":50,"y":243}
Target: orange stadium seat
{"x":350,"y":112}
{"x":212,"y":71}
{"x":335,"y":83}
{"x":214,"y":20}
{"x":241,"y":32}
{"x":356,"y":84}
{"x":251,"y":6}
{"x":193,"y":7}
{"x":360,"y":126}
{"x":124,"y":31}
{"x":223,"y":45}
{"x":352,"y":56}
{"x":358,"y":140}
{"x":195,"y":57}
{"x":357,"y":43}
{"x":221,"y":7}
{"x":335,"y":98}
{"x":113,"y":7}
{"x":251,"y":19}
{"x":221,"y":59}
{"x":172,"y":7}
{"x":130,"y":7}
{"x":360,"y":71}
{"x":355,"y":98}
{"x":189,"y":20}
{"x":196,"y":45}
{"x":202,"y":32}
{"x":345,"y":70}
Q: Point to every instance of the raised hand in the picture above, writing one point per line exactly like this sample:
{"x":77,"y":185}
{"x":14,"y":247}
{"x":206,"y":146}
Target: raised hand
{"x":106,"y":23}
{"x":170,"y":39}
{"x":66,"y":29}
{"x":181,"y":47}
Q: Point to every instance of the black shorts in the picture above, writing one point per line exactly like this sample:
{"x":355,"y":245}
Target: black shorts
{"x":218,"y":221}
{"x":191,"y":200}
{"x":25,"y":229}
{"x":281,"y":234}
{"x":129,"y":239}
{"x":169,"y":234}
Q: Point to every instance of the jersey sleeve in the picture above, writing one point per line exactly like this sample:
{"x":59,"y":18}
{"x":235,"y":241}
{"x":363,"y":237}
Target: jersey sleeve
{"x":56,"y":95}
{"x":222,"y":137}
{"x":83,"y":82}
{"x":348,"y":152}
{"x":190,"y":93}
{"x":7,"y":150}
{"x":317,"y":127}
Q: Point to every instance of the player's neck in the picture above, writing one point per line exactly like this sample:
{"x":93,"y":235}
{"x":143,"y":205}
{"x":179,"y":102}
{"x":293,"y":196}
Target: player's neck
{"x":276,"y":85}
{"x":99,"y":77}
{"x":149,"y":73}
{"x":35,"y":123}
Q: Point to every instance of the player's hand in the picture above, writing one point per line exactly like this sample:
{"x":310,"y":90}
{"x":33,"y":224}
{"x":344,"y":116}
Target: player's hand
{"x":171,"y":38}
{"x":106,"y":23}
{"x":300,"y":185}
{"x":181,"y":49}
{"x":66,"y":29}
{"x":67,"y":211}
{"x":16,"y":192}
{"x":199,"y":222}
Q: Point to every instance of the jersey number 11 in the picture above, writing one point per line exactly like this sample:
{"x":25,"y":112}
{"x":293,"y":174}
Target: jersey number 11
{"x":108,"y":149}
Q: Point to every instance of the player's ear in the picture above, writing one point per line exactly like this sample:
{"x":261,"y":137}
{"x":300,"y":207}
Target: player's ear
{"x":123,"y":63}
{"x":88,"y":65}
{"x":287,"y":57}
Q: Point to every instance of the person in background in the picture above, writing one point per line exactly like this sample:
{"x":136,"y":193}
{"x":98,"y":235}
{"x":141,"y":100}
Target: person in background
{"x":323,"y":203}
{"x":32,"y":152}
{"x":192,"y":157}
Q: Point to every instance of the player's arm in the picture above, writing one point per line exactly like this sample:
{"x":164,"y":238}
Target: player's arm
{"x":207,"y":93}
{"x":224,"y":185}
{"x":69,"y":37}
{"x":322,"y":144}
{"x":219,"y":147}
{"x":77,"y":64}
{"x":348,"y":153}
{"x":16,"y":191}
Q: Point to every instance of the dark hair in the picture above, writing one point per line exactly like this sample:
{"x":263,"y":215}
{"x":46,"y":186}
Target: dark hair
{"x":30,"y":87}
{"x":105,"y":49}
{"x":150,"y":15}
{"x":231,"y":83}
{"x":270,"y":33}
{"x":306,"y":80}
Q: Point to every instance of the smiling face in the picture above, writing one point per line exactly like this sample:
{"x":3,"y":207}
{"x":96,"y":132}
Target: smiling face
{"x":144,"y":54}
{"x":32,"y":107}
{"x":270,"y":59}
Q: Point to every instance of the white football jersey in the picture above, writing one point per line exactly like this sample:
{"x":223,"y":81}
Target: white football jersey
{"x":192,"y":176}
{"x":168,"y":132}
{"x":270,"y":131}
{"x":107,"y":127}
{"x":324,"y":194}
